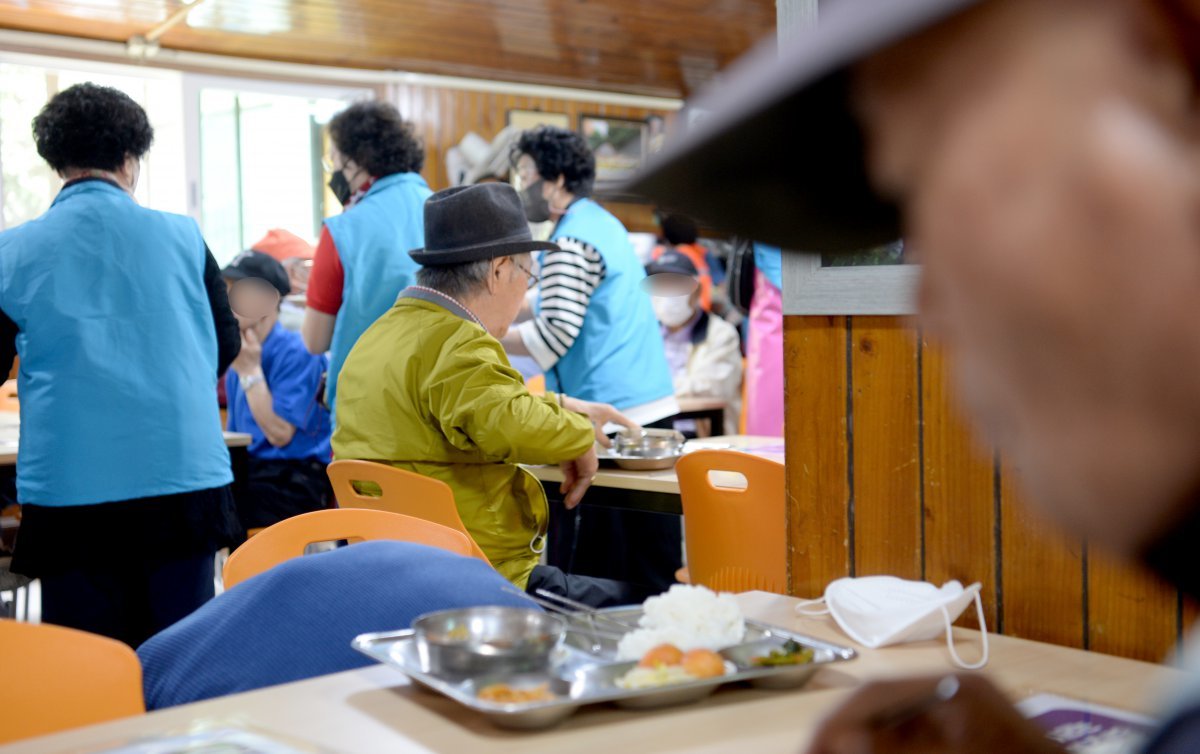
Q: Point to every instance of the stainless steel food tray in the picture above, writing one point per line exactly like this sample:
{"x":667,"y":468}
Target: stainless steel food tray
{"x":583,"y":672}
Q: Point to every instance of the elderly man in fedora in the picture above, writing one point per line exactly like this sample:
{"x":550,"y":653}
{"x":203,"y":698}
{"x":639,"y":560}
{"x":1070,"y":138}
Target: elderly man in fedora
{"x":1044,"y":160}
{"x":428,"y":389}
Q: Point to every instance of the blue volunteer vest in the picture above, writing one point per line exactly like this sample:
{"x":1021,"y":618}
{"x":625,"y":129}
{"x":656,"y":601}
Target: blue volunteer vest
{"x":618,"y":357}
{"x":118,"y":351}
{"x":373,"y":239}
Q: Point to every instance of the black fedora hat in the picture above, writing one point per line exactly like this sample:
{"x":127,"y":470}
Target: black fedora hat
{"x":779,"y":157}
{"x":473,"y":223}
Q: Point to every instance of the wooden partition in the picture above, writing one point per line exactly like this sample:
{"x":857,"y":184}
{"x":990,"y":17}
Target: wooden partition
{"x":885,"y":478}
{"x":444,"y":116}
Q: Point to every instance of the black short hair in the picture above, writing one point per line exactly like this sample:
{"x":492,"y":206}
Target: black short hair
{"x":375,"y":136}
{"x":557,"y":151}
{"x":679,"y":229}
{"x":91,"y":127}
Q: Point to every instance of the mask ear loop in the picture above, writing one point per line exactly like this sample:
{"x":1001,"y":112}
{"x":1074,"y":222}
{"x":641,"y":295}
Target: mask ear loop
{"x":983,"y":635}
{"x":804,"y":608}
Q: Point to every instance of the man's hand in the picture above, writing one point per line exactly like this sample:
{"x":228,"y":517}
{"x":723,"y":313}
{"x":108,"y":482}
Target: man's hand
{"x":599,"y":414}
{"x":577,"y":477}
{"x":896,"y":717}
{"x":249,"y":359}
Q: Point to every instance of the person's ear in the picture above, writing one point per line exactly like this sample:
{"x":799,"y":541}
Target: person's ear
{"x":496,"y":275}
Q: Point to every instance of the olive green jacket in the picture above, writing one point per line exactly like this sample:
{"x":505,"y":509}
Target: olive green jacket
{"x":429,"y":391}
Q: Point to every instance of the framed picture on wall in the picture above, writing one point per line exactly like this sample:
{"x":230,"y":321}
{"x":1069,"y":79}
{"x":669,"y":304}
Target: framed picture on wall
{"x":619,"y":145}
{"x":527,"y":119}
{"x":881,"y":280}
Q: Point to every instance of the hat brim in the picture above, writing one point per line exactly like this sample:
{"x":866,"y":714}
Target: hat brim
{"x":781,"y":156}
{"x":427,"y":258}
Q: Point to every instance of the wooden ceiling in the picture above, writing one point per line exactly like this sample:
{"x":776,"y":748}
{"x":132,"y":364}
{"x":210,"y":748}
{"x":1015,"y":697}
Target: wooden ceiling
{"x":657,"y":47}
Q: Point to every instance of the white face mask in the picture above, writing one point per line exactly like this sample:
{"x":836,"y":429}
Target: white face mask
{"x":877,"y":611}
{"x":673,"y":311}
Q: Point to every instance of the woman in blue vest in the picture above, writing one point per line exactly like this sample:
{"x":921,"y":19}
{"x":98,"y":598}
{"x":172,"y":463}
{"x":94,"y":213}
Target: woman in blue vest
{"x":594,"y":333}
{"x":593,"y":330}
{"x":121,"y":321}
{"x":362,"y":261}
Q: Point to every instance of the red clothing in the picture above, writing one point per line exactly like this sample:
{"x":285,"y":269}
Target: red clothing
{"x":698,"y":255}
{"x":328,"y":278}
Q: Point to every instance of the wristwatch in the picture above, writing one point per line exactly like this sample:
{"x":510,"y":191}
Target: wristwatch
{"x":251,"y":381}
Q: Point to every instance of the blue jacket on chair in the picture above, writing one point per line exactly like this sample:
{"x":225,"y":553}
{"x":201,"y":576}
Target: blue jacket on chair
{"x":297,"y":620}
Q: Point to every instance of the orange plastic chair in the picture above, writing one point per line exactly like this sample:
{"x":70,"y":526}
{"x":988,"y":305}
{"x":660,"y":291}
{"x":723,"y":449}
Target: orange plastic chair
{"x":400,"y":492}
{"x":56,"y":678}
{"x":288,"y":538}
{"x":735,"y":538}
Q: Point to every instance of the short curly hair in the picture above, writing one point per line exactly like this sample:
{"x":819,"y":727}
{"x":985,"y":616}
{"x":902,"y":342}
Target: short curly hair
{"x":91,"y":127}
{"x":375,"y":136}
{"x":557,"y":151}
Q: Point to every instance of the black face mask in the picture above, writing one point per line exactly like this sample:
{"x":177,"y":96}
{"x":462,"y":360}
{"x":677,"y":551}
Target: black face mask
{"x":340,"y":186}
{"x":537,"y":209}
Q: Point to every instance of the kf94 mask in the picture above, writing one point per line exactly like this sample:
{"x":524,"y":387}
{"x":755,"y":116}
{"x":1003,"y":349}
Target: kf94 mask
{"x":877,"y":611}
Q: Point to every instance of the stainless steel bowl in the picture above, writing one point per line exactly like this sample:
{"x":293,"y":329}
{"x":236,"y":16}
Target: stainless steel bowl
{"x":652,"y":443}
{"x":472,"y":641}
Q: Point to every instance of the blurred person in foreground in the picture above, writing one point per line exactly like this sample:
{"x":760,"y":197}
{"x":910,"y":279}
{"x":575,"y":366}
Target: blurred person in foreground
{"x":1043,"y":158}
{"x":429,"y":389}
{"x":362,"y":261}
{"x":272,"y":391}
{"x":703,"y":350}
{"x":122,"y":324}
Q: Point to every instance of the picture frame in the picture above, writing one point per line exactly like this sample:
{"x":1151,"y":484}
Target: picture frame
{"x":873,"y":282}
{"x":620,"y":146}
{"x":524,"y":120}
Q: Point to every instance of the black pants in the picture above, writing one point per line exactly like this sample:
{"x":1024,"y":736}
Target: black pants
{"x":590,"y":590}
{"x":279,"y":489}
{"x":128,"y":601}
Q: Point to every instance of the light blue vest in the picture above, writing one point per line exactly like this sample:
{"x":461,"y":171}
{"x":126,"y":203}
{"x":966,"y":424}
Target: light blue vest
{"x":618,"y":357}
{"x":118,"y":351}
{"x":373,"y":239}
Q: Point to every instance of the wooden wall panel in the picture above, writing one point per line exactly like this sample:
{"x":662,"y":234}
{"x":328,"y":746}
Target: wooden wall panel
{"x":817,"y":453}
{"x":862,"y":398}
{"x":885,"y":431}
{"x":1043,"y":573}
{"x":442,"y":117}
{"x":959,"y":494}
{"x":1130,"y":612}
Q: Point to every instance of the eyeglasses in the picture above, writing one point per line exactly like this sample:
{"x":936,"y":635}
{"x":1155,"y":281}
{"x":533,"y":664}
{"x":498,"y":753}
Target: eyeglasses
{"x":534,"y":278}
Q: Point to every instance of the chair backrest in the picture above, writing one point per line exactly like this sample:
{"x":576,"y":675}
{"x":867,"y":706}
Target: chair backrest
{"x":735,"y":538}
{"x":288,"y":538}
{"x":400,"y":491}
{"x":54,"y":678}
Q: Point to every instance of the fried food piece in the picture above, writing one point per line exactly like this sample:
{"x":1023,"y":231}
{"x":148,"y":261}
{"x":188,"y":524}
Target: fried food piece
{"x":703,"y":663}
{"x":663,"y":654}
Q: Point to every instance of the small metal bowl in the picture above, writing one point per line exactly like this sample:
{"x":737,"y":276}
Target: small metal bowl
{"x":653,"y":443}
{"x":472,"y":641}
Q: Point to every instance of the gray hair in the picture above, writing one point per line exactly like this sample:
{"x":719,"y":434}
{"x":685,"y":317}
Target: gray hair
{"x":456,"y":280}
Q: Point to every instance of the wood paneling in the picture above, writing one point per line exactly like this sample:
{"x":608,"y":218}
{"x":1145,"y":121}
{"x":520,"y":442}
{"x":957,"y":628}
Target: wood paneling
{"x":960,"y":495}
{"x":886,"y":432}
{"x":1043,"y":573}
{"x":817,"y":453}
{"x":862,"y":398}
{"x":667,"y":47}
{"x":442,"y":117}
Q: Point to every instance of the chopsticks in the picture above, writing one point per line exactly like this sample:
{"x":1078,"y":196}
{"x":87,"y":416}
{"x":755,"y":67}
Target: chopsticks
{"x":547,"y":600}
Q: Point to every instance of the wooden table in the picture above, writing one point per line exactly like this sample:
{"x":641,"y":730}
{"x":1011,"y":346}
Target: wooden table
{"x":10,"y":436}
{"x":662,"y":487}
{"x":377,"y":710}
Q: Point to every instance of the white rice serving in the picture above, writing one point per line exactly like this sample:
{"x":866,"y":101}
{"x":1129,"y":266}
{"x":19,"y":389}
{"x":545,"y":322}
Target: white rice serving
{"x":690,"y":617}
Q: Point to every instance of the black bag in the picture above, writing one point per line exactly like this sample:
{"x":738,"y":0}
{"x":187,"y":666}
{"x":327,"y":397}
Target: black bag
{"x":741,"y":274}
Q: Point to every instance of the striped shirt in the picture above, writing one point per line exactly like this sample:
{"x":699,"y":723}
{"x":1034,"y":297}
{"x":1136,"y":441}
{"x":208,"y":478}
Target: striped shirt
{"x":570,"y":277}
